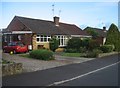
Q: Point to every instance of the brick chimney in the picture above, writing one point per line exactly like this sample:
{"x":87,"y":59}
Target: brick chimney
{"x":104,"y":29}
{"x":56,"y":21}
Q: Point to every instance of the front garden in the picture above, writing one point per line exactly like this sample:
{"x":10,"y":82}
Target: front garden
{"x":87,"y":47}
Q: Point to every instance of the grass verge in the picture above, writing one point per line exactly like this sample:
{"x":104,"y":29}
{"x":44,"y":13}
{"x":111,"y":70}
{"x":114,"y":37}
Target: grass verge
{"x":73,"y":54}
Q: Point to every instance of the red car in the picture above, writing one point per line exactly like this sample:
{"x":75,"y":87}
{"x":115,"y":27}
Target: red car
{"x":15,"y":47}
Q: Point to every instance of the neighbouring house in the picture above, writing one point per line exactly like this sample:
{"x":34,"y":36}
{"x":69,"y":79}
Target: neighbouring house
{"x":101,"y":34}
{"x":37,"y":33}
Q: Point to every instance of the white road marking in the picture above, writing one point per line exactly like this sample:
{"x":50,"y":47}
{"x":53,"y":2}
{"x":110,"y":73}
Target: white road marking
{"x":74,"y":78}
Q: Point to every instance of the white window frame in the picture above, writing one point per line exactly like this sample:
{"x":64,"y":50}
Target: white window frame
{"x":62,"y":40}
{"x":38,"y":36}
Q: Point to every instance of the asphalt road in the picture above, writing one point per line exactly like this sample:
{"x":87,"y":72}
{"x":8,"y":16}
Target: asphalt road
{"x":97,"y":72}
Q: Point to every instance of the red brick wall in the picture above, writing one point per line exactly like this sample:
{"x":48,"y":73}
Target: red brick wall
{"x":100,"y":40}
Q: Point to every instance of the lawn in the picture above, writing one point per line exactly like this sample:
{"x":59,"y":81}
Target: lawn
{"x":25,"y":55}
{"x":73,"y":54}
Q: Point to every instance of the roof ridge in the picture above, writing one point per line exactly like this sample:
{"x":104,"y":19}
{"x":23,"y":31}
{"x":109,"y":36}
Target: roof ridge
{"x":33,"y":18}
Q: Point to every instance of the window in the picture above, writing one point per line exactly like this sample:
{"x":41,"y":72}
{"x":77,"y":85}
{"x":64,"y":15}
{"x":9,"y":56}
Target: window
{"x":62,"y":40}
{"x":19,"y":37}
{"x":5,"y":38}
{"x":43,"y":38}
{"x":10,"y":38}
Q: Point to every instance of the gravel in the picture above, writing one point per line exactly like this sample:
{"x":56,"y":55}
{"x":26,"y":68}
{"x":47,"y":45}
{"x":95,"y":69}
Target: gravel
{"x":30,"y":64}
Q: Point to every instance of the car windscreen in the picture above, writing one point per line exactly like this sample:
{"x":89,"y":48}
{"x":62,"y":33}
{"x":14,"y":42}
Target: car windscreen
{"x":12,"y":44}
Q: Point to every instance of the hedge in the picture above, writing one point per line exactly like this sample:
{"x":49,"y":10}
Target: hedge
{"x":107,"y":48}
{"x":42,"y":54}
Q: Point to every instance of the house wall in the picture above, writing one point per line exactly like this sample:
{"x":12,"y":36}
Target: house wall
{"x":100,"y":40}
{"x":37,"y":45}
{"x":104,"y":40}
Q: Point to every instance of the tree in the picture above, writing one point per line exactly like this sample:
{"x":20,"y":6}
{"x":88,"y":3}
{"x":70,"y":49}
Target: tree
{"x":92,"y":32}
{"x":113,"y":37}
{"x":54,"y":44}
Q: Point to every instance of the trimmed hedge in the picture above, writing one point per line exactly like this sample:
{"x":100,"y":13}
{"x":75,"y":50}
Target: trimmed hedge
{"x":107,"y":48}
{"x":42,"y":54}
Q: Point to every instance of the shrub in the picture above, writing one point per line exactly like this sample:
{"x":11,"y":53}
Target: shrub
{"x":54,"y":44}
{"x":107,"y":48}
{"x":42,"y":54}
{"x":82,"y":49}
{"x":94,"y":53}
{"x":74,"y":44}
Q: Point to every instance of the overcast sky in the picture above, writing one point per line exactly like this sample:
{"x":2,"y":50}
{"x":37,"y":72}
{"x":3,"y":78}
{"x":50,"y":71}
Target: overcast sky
{"x":83,"y":14}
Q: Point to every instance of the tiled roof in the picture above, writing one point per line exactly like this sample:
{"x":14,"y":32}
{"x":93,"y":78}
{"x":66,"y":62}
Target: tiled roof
{"x":101,"y":32}
{"x":48,"y":27}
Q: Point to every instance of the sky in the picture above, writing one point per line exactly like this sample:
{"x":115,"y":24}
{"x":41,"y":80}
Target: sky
{"x":82,"y":14}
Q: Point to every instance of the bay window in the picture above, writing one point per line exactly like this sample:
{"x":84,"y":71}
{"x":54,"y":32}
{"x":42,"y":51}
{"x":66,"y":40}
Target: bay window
{"x":62,"y":40}
{"x":43,"y":38}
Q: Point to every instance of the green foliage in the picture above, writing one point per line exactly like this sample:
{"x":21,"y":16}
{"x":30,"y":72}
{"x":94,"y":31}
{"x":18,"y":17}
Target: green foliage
{"x":107,"y":48}
{"x":73,"y":45}
{"x":113,"y":37}
{"x":93,"y":44}
{"x":82,"y":49}
{"x":54,"y":44}
{"x":72,"y":54}
{"x":70,"y":50}
{"x":92,"y":32}
{"x":78,"y":45}
{"x":94,"y":53}
{"x":85,"y":43}
{"x":42,"y":54}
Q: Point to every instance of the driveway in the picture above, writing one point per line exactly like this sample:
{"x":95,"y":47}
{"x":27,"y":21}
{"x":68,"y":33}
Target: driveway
{"x":98,"y":72}
{"x":30,"y":65}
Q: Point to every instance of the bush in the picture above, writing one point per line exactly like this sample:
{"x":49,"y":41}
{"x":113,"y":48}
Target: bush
{"x":94,"y":53}
{"x":82,"y":49}
{"x":42,"y":54}
{"x":54,"y":44}
{"x":107,"y":48}
{"x":73,"y":45}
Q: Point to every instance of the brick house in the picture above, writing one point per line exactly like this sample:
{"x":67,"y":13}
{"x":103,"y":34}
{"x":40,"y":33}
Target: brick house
{"x":102,"y":33}
{"x":38,"y":32}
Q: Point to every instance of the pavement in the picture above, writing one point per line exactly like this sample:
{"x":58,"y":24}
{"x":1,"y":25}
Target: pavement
{"x":30,"y":65}
{"x":103,"y":70}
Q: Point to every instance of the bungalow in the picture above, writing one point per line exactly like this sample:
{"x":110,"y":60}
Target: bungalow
{"x":37,"y":33}
{"x":101,"y":34}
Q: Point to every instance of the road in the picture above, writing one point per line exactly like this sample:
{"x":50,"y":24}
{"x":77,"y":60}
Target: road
{"x":97,"y":72}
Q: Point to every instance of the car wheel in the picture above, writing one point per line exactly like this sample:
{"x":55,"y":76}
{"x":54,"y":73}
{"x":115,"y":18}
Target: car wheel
{"x":11,"y":52}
